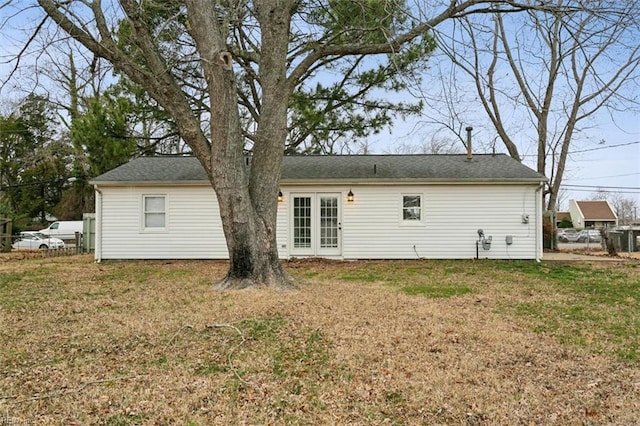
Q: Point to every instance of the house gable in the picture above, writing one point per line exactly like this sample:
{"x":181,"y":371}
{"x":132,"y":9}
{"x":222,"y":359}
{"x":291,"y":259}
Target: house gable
{"x":597,"y":211}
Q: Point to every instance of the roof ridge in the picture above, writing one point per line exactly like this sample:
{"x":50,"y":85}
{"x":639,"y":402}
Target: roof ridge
{"x":343,"y":168}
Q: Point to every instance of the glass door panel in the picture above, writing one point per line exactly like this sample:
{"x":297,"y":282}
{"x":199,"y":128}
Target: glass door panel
{"x":302,"y":222}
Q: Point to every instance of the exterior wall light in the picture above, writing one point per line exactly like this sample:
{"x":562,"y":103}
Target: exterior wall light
{"x":280,"y":197}
{"x":350,"y":196}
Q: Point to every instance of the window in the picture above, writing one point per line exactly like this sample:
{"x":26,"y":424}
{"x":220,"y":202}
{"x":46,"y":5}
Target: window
{"x":412,"y":208}
{"x":155,"y":216}
{"x":302,"y":222}
{"x":328,"y":222}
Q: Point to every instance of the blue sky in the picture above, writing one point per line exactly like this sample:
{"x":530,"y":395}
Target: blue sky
{"x":614,"y":165}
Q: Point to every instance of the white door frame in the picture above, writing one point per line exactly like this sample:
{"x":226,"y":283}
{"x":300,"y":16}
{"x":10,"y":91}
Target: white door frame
{"x":306,"y":216}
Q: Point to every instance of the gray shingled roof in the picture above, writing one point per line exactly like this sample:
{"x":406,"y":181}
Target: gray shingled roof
{"x":340,"y":168}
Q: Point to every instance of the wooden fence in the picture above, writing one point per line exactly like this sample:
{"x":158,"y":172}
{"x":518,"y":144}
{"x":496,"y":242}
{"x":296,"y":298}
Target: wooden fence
{"x":67,"y":251}
{"x":5,"y":235}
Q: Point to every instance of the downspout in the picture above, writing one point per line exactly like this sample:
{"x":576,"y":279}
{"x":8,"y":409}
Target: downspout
{"x":98,"y":242}
{"x":538,"y":233}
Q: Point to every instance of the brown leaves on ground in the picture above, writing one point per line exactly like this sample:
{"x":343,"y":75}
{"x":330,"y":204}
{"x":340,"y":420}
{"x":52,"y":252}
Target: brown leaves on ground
{"x":151,"y":343}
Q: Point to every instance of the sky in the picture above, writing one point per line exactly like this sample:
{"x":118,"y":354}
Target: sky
{"x":613,"y":165}
{"x":604,"y":154}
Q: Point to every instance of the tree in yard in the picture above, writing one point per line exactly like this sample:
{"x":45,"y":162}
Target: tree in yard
{"x":34,"y":161}
{"x":16,"y":142}
{"x":227,"y":71}
{"x":541,"y":77}
{"x":102,"y":134}
{"x":565,"y":223}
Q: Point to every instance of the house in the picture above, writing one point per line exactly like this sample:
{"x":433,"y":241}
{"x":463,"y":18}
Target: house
{"x":592,"y":214}
{"x":342,"y":207}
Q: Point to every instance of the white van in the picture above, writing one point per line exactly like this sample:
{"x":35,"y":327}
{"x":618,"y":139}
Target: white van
{"x":63,"y":229}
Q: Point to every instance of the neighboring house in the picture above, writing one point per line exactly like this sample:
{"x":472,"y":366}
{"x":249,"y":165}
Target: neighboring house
{"x":592,"y":214}
{"x":401,"y":207}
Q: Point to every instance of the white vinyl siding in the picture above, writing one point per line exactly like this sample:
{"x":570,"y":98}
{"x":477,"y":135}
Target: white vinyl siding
{"x":193,"y":229}
{"x":371,"y":230}
{"x":282,"y":226}
{"x":371,"y":227}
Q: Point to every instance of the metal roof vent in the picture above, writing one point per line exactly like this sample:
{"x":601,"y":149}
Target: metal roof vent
{"x":469,"y":129}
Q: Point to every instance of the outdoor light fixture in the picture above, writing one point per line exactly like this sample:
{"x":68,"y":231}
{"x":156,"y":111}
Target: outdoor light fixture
{"x":350,"y":196}
{"x":280,"y":197}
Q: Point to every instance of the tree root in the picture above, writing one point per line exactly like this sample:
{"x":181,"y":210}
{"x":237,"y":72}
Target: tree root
{"x":242,"y":283}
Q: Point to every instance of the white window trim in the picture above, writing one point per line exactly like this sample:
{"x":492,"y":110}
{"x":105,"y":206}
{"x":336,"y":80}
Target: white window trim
{"x":407,"y":222}
{"x":143,"y":213}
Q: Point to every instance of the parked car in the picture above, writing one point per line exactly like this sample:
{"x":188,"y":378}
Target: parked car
{"x":63,"y":229}
{"x":33,"y":240}
{"x":590,"y":235}
{"x":568,"y":235}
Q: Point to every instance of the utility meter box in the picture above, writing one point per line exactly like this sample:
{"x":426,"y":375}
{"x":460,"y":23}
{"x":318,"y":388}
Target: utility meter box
{"x":486,"y":243}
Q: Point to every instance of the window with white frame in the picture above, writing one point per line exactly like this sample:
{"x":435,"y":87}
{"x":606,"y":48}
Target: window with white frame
{"x":411,"y":207}
{"x":155,"y":215}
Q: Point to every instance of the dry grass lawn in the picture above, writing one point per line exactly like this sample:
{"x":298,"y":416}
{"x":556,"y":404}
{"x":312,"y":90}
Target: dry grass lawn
{"x":361,"y":343}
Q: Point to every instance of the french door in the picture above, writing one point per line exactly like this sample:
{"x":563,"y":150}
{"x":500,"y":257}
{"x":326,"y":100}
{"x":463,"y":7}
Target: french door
{"x":315,"y":224}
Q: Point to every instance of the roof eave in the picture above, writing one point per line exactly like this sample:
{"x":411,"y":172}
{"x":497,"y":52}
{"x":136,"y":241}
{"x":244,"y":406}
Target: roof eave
{"x":333,"y":181}
{"x":413,"y":181}
{"x":148,"y":183}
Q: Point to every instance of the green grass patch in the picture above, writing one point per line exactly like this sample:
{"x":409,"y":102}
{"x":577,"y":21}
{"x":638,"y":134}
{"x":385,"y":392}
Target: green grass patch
{"x":211,"y":368}
{"x":26,"y":288}
{"x":591,"y":306}
{"x":9,"y":278}
{"x":266,"y":329}
{"x":361,"y":276}
{"x":308,"y":358}
{"x":436,"y":291}
{"x":394,"y":397}
{"x":125,"y":420}
{"x":587,"y":306}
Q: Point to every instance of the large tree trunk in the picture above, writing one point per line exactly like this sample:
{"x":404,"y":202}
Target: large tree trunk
{"x":251,"y":241}
{"x":246,"y":187}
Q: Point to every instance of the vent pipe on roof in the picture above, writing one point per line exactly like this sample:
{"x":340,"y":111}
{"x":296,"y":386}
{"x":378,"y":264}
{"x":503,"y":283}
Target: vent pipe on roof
{"x":375,"y":169}
{"x":469,"y":151}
